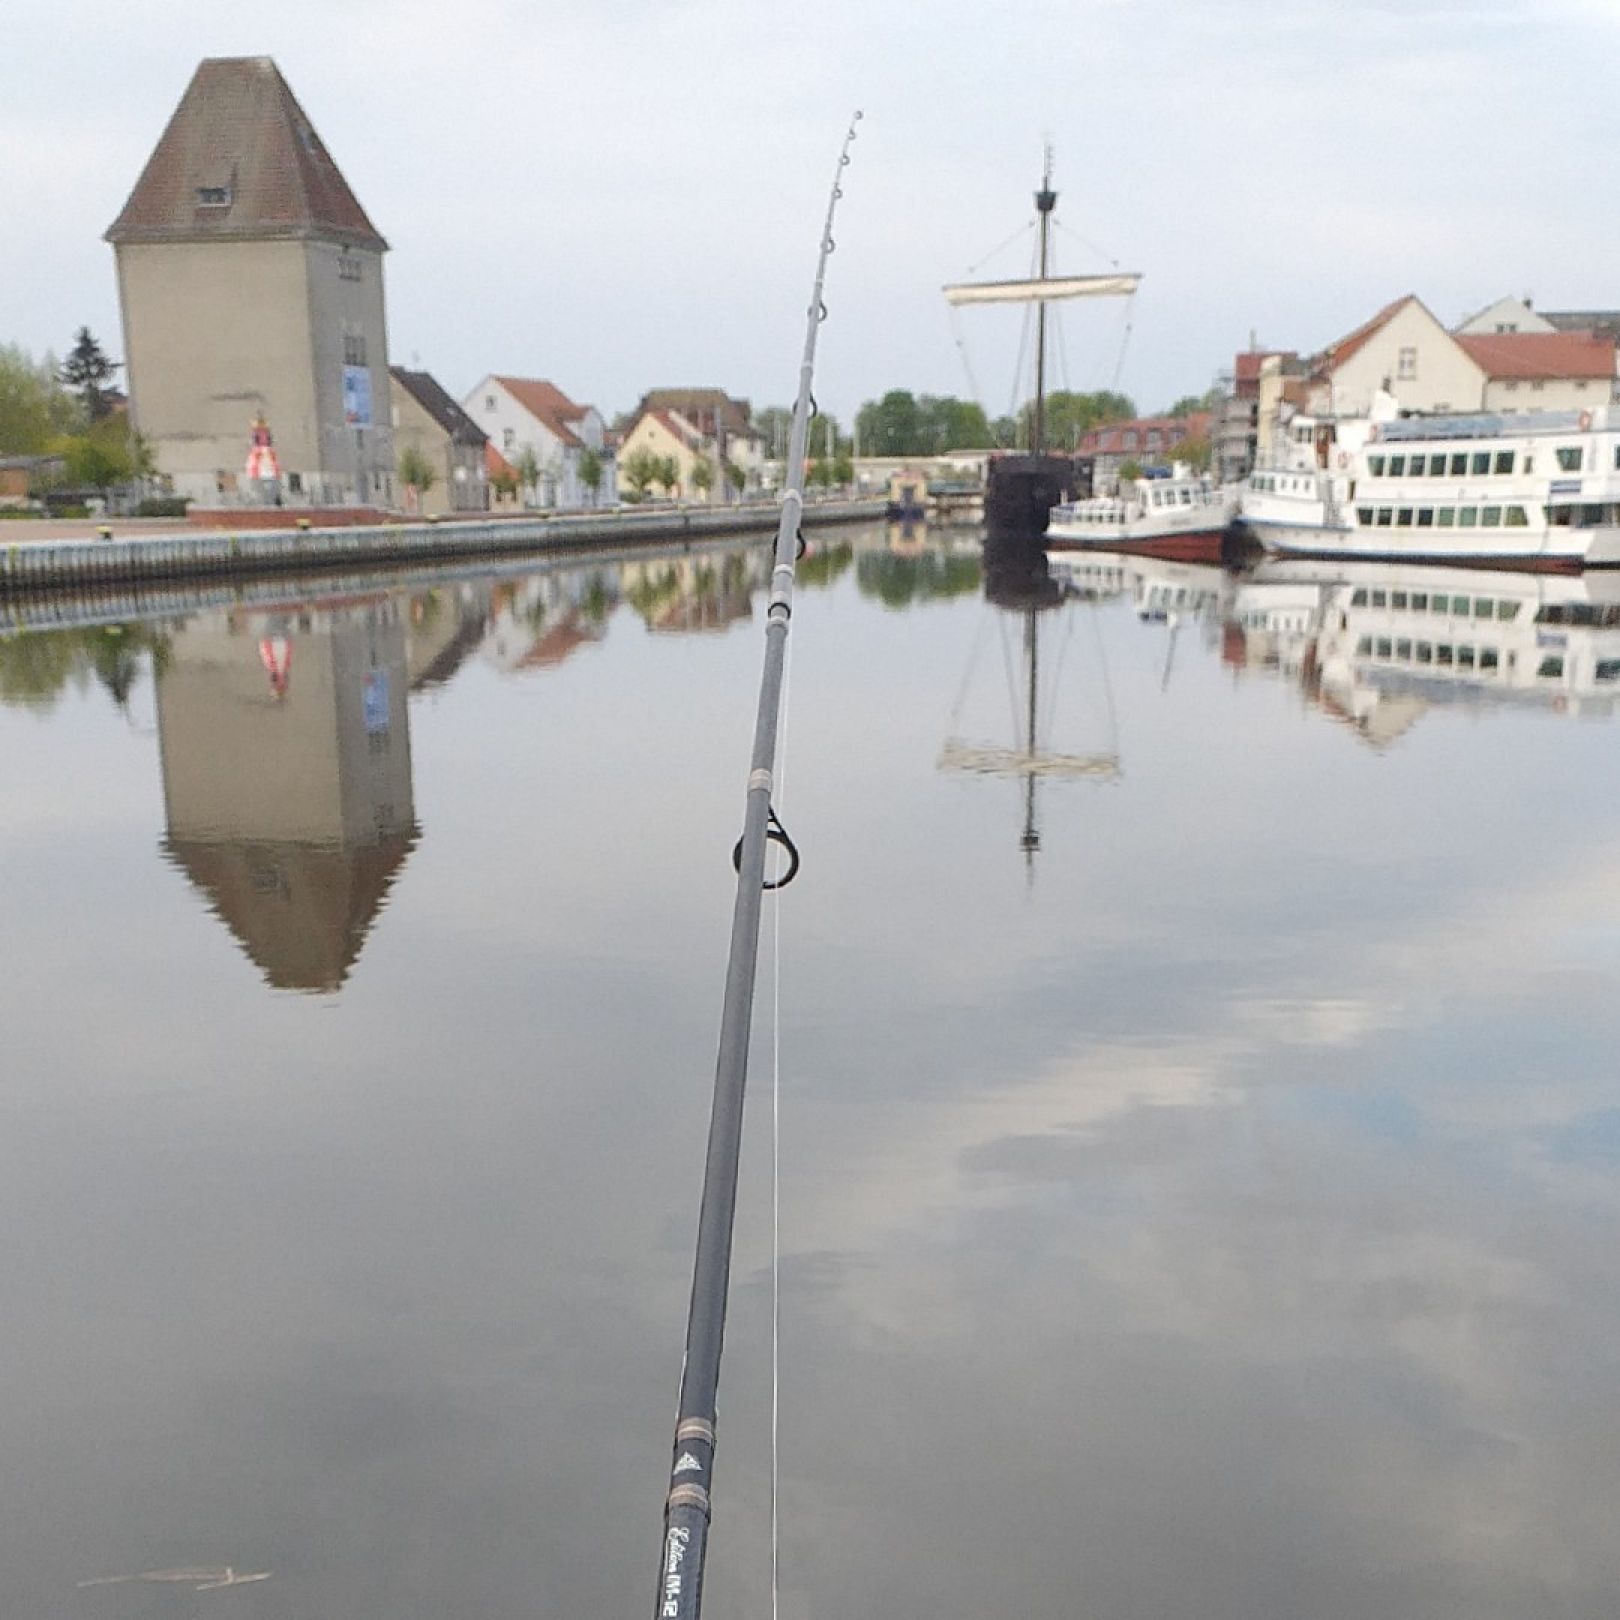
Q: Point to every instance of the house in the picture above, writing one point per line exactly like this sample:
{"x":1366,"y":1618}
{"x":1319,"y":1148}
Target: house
{"x":666,"y":435}
{"x":1507,"y":314}
{"x":1146,"y":440}
{"x":20,"y":476}
{"x":567,"y":440}
{"x":1235,"y":430}
{"x":251,"y":285}
{"x":1544,"y":371}
{"x":714,"y":413}
{"x":426,"y":419}
{"x":1403,"y":349}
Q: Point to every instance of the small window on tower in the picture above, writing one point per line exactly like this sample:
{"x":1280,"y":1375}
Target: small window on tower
{"x":213,"y":196}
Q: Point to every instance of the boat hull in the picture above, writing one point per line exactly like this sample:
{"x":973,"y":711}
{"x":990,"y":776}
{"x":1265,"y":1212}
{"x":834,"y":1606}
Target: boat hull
{"x":1187,"y":545}
{"x":1552,"y":551}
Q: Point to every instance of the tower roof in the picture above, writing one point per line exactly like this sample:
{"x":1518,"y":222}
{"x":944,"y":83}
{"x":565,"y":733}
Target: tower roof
{"x":240,"y":160}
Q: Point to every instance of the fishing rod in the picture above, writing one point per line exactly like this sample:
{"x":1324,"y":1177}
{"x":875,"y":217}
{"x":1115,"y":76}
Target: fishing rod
{"x":691,"y":1474}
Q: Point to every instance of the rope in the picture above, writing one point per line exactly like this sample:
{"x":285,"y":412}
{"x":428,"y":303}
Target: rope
{"x":1119,"y":365}
{"x":967,"y":674}
{"x":1089,"y":246}
{"x":972,"y":269}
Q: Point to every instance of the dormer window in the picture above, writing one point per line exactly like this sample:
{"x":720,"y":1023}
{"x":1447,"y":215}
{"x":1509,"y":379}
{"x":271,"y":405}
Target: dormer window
{"x":213,"y":196}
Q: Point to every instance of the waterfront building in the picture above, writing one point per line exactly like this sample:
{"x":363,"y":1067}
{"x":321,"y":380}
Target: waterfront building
{"x":250,"y":281}
{"x":714,"y":414}
{"x":1511,"y":314}
{"x":427,"y":420}
{"x":530,"y":414}
{"x":1403,"y":349}
{"x":668,"y":434}
{"x":1544,"y":371}
{"x":1147,"y":441}
{"x":1236,"y":427}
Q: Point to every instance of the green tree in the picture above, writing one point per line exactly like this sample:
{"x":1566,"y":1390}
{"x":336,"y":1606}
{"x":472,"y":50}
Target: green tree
{"x":1070,"y":415}
{"x":527,"y":468}
{"x":843,"y":469}
{"x":87,"y":372}
{"x":1194,"y":450}
{"x":776,"y":423}
{"x":590,"y":471}
{"x":736,"y":477}
{"x":1129,"y":470}
{"x":703,"y":476}
{"x":1189,"y":403}
{"x":640,"y":472}
{"x":891,"y":426}
{"x":100,"y":457}
{"x":34,"y":409}
{"x":415,"y":471}
{"x":668,"y":476}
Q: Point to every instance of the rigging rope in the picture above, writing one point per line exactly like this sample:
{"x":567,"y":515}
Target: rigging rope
{"x":1090,"y":246}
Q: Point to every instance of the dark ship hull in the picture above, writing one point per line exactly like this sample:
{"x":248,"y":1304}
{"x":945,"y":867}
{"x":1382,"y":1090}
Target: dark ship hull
{"x":1021,"y":490}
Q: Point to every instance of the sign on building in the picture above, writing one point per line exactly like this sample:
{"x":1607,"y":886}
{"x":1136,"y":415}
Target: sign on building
{"x":357,"y":396}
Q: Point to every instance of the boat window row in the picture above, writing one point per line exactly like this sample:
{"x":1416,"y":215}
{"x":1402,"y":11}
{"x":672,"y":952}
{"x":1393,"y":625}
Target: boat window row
{"x":1583,"y":515}
{"x":1471,"y":463}
{"x":1442,"y":517}
{"x":1438,"y":654}
{"x":1463,"y":607}
{"x":1159,"y":496}
{"x":1587,"y":615}
{"x":1283,"y":484}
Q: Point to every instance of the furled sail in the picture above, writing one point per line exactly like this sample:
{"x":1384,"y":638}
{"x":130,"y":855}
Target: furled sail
{"x":1041,"y":291}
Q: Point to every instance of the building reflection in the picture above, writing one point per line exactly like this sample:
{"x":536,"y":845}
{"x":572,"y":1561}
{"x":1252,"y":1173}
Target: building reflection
{"x":286,"y":757}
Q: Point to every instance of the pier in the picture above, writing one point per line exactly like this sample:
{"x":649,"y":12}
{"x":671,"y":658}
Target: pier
{"x":30,"y":568}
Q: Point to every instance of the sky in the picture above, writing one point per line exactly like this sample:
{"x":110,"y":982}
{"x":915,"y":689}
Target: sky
{"x":627,"y":197}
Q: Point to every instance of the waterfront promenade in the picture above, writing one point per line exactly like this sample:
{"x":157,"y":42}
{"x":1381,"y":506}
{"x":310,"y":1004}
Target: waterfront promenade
{"x":136,"y":552}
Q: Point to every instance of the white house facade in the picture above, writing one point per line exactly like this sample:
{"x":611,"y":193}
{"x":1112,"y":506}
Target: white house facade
{"x":530,"y":414}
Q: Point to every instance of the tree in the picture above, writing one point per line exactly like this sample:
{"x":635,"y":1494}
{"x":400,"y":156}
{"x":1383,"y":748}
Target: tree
{"x":34,"y":410}
{"x":668,"y":476}
{"x":736,"y":477}
{"x":775,"y":422}
{"x":100,"y":457}
{"x":416,"y":471}
{"x":640,"y":471}
{"x":703,"y":476}
{"x":891,"y":426}
{"x":1189,"y":403}
{"x":1129,"y":470}
{"x":88,"y":371}
{"x":1193,"y":450}
{"x":1069,"y":416}
{"x":504,"y":483}
{"x":527,"y":468}
{"x":590,"y":471}
{"x":843,"y":470}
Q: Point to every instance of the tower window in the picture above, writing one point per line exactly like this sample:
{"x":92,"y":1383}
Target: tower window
{"x":213,"y":196}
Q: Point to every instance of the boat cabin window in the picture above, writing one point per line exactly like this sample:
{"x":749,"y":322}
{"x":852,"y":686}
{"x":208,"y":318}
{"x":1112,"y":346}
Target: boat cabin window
{"x":1569,"y":458}
{"x":1467,"y":516}
{"x":1383,"y":647}
{"x":1484,"y":607}
{"x":1397,"y":466}
{"x":1552,"y":667}
{"x":1420,"y":601}
{"x":1403,"y":651}
{"x":1386,"y":516}
{"x":1375,"y":464}
{"x":1490,"y":517}
{"x":1487,"y":658}
{"x":1186,"y":497}
{"x":1459,"y":466}
{"x":1617,"y":458}
{"x":1380,"y":599}
{"x":1425,"y":653}
{"x":1397,"y":599}
{"x":1364,"y":647}
{"x":1608,"y":669}
{"x":1504,"y":461}
{"x":1403,"y":517}
{"x":1359,"y":598}
{"x":1517,"y":518}
{"x":1437,"y":466}
{"x":1364,"y":516}
{"x":1507,"y":610}
{"x":1481,"y":463}
{"x":1419,"y":466}
{"x":1561,"y":517}
{"x":1443,"y":653}
{"x":1592,"y":516}
{"x":1447,"y":517}
{"x":1425,"y":517}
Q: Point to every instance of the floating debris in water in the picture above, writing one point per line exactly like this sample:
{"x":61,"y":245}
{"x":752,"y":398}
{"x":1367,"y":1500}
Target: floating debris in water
{"x":212,"y":1579}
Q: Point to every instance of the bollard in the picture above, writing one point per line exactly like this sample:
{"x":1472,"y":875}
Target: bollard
{"x":104,"y":531}
{"x":303,"y":523}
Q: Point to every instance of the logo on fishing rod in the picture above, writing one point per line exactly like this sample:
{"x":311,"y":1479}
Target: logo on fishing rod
{"x":688,"y":1464}
{"x":674,"y":1557}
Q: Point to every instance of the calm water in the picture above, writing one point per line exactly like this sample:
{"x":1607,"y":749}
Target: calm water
{"x":1211,"y":1212}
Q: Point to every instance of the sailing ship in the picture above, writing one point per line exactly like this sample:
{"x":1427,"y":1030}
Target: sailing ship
{"x":1022,"y":488}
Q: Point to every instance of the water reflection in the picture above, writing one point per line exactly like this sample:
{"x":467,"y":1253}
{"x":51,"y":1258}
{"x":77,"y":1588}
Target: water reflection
{"x":1241,"y":1199}
{"x":286,"y":756}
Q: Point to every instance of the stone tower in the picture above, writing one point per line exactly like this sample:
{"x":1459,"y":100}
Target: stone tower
{"x":251,"y":281}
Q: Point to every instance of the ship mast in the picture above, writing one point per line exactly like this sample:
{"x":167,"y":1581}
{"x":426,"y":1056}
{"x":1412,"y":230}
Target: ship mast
{"x":1045,"y":202}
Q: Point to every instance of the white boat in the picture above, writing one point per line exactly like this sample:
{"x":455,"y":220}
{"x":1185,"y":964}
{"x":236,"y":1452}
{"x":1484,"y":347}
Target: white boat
{"x":1181,"y":514}
{"x":1305,"y":484}
{"x":1539,"y":491}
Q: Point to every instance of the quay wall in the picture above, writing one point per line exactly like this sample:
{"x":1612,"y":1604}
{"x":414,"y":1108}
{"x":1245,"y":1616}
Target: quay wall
{"x":28,"y":568}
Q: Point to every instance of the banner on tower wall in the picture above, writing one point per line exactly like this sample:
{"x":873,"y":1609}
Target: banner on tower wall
{"x":357,"y":396}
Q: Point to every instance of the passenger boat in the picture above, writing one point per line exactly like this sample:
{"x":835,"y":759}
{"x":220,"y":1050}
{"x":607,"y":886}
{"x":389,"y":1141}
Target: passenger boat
{"x":1539,"y":491}
{"x":1179,"y":514}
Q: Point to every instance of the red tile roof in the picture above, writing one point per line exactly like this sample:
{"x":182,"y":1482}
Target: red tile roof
{"x":1542,"y":355}
{"x":547,"y":403}
{"x":1246,"y":368}
{"x":240,"y":136}
{"x":495,"y":464}
{"x":1112,"y":440}
{"x":1352,"y":343}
